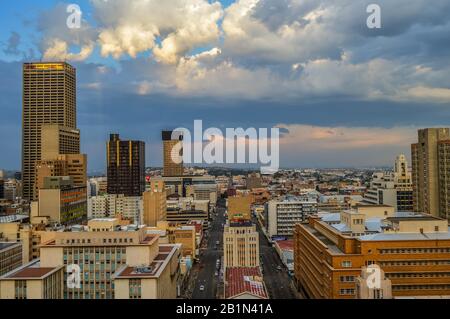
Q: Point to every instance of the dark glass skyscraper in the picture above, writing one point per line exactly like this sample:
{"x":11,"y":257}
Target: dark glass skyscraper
{"x":126,"y":166}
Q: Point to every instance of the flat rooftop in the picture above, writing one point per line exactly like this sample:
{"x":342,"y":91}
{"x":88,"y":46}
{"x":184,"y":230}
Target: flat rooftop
{"x":8,"y":245}
{"x":154,"y":270}
{"x":31,"y":271}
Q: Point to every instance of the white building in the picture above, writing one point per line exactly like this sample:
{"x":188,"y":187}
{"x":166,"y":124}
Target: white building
{"x":130,"y":208}
{"x":393,"y":188}
{"x":284,"y":213}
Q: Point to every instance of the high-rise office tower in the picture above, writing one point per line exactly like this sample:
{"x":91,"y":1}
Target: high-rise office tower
{"x":430,"y":175}
{"x":126,"y":166}
{"x":49,"y":97}
{"x":172,"y":167}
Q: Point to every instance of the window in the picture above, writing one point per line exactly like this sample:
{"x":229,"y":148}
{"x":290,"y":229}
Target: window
{"x":346,"y":264}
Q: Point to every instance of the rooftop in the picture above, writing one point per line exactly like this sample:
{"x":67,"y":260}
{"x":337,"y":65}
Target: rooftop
{"x":8,"y":245}
{"x":241,"y":280}
{"x":153,"y":270}
{"x":285,"y":244}
{"x":33,"y":270}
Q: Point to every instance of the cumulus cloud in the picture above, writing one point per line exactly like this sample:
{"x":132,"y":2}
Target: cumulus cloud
{"x":265,"y":49}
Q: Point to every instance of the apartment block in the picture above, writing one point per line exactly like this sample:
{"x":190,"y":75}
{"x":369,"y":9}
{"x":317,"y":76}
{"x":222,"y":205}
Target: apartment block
{"x":283,"y":214}
{"x":429,"y":172}
{"x":129,"y":208}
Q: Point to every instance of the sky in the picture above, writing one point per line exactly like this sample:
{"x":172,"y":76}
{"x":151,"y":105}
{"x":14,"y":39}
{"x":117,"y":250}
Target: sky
{"x":345,"y":95}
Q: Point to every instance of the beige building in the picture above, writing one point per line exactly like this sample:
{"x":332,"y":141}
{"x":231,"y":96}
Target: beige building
{"x":240,"y":244}
{"x":10,"y":256}
{"x":240,"y":207}
{"x":62,"y":202}
{"x":429,"y":172}
{"x":155,"y":205}
{"x":49,"y":97}
{"x":178,"y":234}
{"x":32,"y":281}
{"x":73,"y":165}
{"x":109,"y":261}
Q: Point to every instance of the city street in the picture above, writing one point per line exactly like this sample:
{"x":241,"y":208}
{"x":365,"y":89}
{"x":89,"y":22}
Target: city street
{"x":279,"y":284}
{"x":206,"y":276}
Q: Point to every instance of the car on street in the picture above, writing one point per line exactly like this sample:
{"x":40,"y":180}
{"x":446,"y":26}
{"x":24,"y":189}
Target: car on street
{"x":202,"y":288}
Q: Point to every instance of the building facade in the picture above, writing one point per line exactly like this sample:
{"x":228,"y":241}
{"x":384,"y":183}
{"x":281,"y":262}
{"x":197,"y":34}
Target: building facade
{"x":429,"y":172}
{"x":394,"y":189}
{"x":10,"y":256}
{"x":240,"y":244}
{"x":412,"y":250}
{"x":173,"y":153}
{"x":126,"y":166}
{"x":49,"y":97}
{"x":283,"y":214}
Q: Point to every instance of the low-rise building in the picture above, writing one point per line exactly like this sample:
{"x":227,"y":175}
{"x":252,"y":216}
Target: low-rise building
{"x":244,"y":283}
{"x":105,"y":260}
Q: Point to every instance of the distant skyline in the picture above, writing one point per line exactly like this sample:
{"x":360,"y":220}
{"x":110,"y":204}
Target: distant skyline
{"x":347,"y":96}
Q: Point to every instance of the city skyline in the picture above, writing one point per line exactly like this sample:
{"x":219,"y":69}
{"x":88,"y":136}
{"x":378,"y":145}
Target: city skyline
{"x":363,"y":117}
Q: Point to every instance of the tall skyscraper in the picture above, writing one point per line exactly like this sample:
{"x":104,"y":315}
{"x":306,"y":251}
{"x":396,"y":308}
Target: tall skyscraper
{"x":429,"y":171}
{"x":170,"y":141}
{"x":49,"y":97}
{"x":126,"y":166}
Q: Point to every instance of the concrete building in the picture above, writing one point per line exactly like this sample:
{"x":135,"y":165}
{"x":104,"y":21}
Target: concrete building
{"x":206,"y":185}
{"x":115,"y":262}
{"x":203,"y":192}
{"x":172,"y":152}
{"x":49,"y":97}
{"x":429,"y":173}
{"x":129,"y":208}
{"x":240,"y":207}
{"x":155,"y":205}
{"x":284,"y":213}
{"x":188,"y":203}
{"x":62,"y":202}
{"x":73,"y":165}
{"x":240,"y":244}
{"x":394,"y":189}
{"x":412,"y":249}
{"x":10,"y":256}
{"x":31,"y":281}
{"x":125,"y":166}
